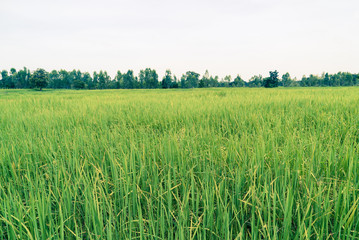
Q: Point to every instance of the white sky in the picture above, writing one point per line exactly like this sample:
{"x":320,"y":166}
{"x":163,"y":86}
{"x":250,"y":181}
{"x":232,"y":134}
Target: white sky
{"x":244,"y":37}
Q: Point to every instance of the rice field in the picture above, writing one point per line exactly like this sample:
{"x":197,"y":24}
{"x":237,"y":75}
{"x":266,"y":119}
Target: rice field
{"x":180,"y":164}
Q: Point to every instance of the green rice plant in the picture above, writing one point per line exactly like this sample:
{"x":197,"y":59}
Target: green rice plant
{"x":179,"y":164}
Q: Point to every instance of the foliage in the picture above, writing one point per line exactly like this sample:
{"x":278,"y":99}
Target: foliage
{"x":78,"y":84}
{"x":148,"y":78}
{"x":286,"y":80}
{"x":118,"y":80}
{"x":256,"y":81}
{"x":129,"y":80}
{"x":39,"y":79}
{"x":238,"y":82}
{"x":168,"y":81}
{"x":190,"y":80}
{"x":271,"y":81}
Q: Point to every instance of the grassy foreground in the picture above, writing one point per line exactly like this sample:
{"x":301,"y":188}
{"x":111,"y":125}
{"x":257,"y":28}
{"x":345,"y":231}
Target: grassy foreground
{"x":180,"y":164}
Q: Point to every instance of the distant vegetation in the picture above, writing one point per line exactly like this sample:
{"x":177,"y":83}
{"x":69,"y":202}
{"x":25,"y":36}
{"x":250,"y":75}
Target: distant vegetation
{"x":148,"y":79}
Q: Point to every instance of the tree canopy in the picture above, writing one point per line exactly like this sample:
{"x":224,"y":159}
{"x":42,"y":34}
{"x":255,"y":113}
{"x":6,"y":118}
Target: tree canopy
{"x":271,"y":81}
{"x":39,"y":79}
{"x":148,"y":78}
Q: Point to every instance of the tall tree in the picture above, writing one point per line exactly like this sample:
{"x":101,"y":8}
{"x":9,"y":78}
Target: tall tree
{"x":190,"y":80}
{"x":272,"y":81}
{"x":10,"y":83}
{"x":256,"y":81}
{"x":118,"y":80}
{"x":167,"y":79}
{"x":129,"y":81}
{"x":22,"y":78}
{"x":39,"y":79}
{"x":238,"y":82}
{"x":55,"y":79}
{"x":95,"y":80}
{"x":4,"y":74}
{"x":7,"y":79}
{"x":227,"y":80}
{"x":326,"y":79}
{"x":213,"y":81}
{"x":103,"y":80}
{"x":205,"y":80}
{"x":78,"y":84}
{"x":148,"y":78}
{"x":286,"y":80}
{"x":87,"y":79}
{"x":66,"y":80}
{"x":174,"y":83}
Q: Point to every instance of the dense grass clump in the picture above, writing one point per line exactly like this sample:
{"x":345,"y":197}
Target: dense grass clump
{"x":180,"y":164}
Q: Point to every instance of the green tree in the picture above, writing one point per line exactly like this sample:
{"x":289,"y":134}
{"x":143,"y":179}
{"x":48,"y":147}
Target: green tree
{"x":311,"y":81}
{"x":94,"y":84}
{"x":54,"y":79}
{"x":66,"y":80}
{"x":213,"y":81}
{"x":22,"y":78}
{"x":183,"y":83}
{"x":335,"y":80}
{"x":314,"y":80}
{"x":271,"y":81}
{"x":10,"y":83}
{"x":167,"y":79}
{"x":286,"y":80}
{"x":256,"y":81}
{"x":76,"y":79}
{"x":103,"y":80}
{"x":238,"y":82}
{"x":118,"y":80}
{"x":39,"y":79}
{"x":304,"y":81}
{"x":190,"y":80}
{"x":347,"y":79}
{"x":205,"y":80}
{"x":174,"y":83}
{"x":129,"y":81}
{"x":326,"y":79}
{"x":78,"y":84}
{"x":227,"y":80}
{"x":87,"y":79}
{"x":148,"y":78}
{"x":4,"y":78}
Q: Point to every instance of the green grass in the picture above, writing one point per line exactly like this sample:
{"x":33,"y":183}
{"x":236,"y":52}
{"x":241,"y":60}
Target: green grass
{"x":180,"y":164}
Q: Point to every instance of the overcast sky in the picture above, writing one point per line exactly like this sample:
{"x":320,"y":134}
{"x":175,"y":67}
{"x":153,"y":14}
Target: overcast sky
{"x":227,"y":37}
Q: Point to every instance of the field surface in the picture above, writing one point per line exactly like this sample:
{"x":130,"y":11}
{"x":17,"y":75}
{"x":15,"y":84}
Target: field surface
{"x":180,"y":164}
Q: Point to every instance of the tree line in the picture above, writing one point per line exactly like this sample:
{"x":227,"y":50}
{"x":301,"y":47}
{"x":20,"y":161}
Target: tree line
{"x":148,"y":79}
